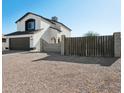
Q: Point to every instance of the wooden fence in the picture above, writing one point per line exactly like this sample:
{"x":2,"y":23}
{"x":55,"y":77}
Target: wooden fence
{"x":89,"y":46}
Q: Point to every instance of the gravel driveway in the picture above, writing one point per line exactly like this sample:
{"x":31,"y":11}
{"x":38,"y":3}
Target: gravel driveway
{"x":25,"y":72}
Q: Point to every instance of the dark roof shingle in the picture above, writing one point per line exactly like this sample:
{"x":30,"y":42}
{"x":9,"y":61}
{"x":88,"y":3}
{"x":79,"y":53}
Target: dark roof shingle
{"x":22,"y":32}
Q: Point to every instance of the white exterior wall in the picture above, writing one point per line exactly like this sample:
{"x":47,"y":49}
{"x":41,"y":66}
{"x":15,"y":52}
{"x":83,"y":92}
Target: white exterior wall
{"x":4,"y":45}
{"x":50,"y":33}
{"x":56,"y":34}
{"x":37,"y":36}
{"x":65,"y":32}
{"x":21,"y":24}
{"x":7,"y":42}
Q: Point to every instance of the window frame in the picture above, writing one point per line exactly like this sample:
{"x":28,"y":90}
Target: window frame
{"x":27,"y":24}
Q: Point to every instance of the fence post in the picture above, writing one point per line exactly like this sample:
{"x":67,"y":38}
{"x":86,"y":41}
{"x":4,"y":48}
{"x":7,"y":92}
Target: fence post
{"x":86,"y":46}
{"x":117,"y":44}
{"x":62,"y":44}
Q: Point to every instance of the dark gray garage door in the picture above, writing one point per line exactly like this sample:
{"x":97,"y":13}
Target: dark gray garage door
{"x":19,"y":43}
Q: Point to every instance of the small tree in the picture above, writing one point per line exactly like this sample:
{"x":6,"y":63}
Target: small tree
{"x":91,"y":33}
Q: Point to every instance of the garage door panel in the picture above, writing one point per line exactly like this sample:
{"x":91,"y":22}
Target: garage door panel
{"x":19,"y":43}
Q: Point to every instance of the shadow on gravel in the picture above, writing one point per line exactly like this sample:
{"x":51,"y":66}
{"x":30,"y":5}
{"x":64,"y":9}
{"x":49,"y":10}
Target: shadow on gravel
{"x":103,"y":61}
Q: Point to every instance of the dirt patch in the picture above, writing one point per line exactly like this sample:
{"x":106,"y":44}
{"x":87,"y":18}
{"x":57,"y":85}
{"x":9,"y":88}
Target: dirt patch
{"x":26,"y":72}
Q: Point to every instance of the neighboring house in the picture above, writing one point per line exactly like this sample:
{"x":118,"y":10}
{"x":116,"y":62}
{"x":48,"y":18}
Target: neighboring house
{"x":31,"y":28}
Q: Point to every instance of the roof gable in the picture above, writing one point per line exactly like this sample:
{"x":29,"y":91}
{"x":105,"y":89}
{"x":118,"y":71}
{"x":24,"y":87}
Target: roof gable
{"x":49,"y":20}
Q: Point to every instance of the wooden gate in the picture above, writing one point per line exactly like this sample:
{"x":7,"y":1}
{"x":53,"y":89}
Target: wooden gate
{"x":89,"y":46}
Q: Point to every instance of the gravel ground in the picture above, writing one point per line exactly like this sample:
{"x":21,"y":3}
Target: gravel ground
{"x":25,"y":72}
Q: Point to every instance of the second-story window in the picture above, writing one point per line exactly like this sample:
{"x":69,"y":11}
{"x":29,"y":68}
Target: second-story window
{"x":30,"y":25}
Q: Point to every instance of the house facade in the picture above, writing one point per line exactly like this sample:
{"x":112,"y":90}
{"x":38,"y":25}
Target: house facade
{"x":31,"y":28}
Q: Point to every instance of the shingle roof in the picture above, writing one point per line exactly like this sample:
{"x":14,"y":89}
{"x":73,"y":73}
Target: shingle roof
{"x":49,"y":20}
{"x":22,"y":32}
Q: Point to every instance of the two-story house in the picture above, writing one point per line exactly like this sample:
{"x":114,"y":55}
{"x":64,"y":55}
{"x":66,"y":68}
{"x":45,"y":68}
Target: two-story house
{"x":31,"y":28}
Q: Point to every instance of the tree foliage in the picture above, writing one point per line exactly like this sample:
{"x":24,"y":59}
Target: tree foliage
{"x":91,"y":33}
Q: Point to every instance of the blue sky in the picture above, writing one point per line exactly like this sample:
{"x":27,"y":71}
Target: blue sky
{"x":101,"y":16}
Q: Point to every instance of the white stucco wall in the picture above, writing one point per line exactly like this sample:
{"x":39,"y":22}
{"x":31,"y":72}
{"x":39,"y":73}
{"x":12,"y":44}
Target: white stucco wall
{"x":56,"y":34}
{"x":65,"y":32}
{"x":21,"y":23}
{"x":38,"y":35}
{"x":49,"y":34}
{"x":5,"y":43}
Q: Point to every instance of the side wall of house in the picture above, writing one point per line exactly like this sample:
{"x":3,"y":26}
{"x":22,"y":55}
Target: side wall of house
{"x":37,"y":36}
{"x":49,"y":34}
{"x":52,"y":33}
{"x":65,"y":32}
